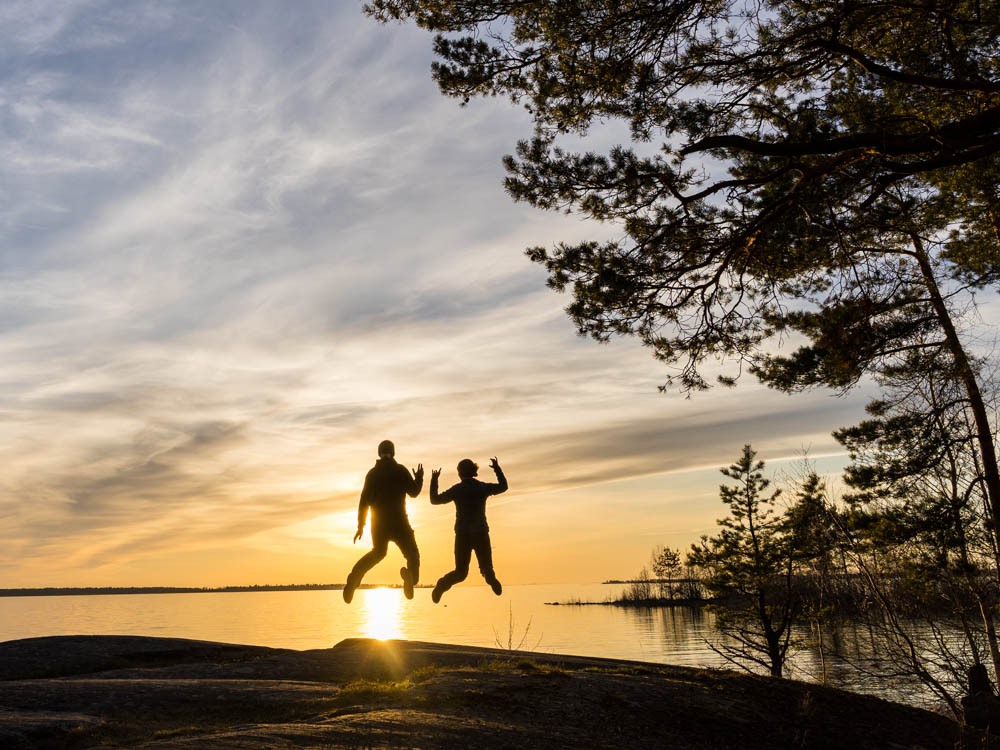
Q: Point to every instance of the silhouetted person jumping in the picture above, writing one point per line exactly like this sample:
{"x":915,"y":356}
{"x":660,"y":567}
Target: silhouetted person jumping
{"x":471,"y":529}
{"x":385,"y":490}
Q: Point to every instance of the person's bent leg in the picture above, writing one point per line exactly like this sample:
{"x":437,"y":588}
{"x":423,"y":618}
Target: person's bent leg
{"x":380,"y":547}
{"x":463,"y":554}
{"x":484,"y":555}
{"x":407,"y":544}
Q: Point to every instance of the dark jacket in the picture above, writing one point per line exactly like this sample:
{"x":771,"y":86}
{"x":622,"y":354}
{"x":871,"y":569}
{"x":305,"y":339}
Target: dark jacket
{"x":469,"y":497}
{"x":385,"y":490}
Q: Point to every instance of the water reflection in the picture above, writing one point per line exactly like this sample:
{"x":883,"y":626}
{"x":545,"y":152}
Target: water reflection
{"x":381,"y":613}
{"x":681,"y":632}
{"x":852,"y":656}
{"x":847,"y":655}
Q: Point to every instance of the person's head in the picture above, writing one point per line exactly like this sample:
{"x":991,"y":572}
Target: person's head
{"x":467,"y":468}
{"x":979,"y":680}
{"x":386,"y":449}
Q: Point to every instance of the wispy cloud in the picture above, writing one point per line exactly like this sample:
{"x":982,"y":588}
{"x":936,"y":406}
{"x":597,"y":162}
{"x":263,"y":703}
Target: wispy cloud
{"x":242,"y":242}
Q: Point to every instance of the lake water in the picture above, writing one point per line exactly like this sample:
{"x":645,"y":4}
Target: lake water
{"x":468,"y":614}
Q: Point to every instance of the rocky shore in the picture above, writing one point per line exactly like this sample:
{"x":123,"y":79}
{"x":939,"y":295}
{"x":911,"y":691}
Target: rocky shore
{"x":124,"y":691}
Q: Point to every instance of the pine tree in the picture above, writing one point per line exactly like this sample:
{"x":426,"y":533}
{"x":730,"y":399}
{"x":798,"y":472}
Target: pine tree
{"x":751,"y":565}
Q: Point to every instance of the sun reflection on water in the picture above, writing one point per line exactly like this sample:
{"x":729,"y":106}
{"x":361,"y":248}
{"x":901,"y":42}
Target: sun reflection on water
{"x":382,"y":613}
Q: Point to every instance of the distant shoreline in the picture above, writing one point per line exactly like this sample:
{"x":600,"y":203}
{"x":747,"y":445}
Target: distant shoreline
{"x":648,"y":580}
{"x":639,"y":603}
{"x":119,"y":590}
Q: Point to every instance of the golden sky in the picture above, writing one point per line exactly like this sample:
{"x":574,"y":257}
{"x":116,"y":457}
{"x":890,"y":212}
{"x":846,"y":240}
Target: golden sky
{"x":244,"y":242}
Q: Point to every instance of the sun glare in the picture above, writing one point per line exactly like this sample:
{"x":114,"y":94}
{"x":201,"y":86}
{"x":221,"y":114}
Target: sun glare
{"x":382,"y":613}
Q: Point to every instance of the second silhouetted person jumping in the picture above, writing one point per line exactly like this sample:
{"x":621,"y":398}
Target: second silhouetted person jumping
{"x":471,"y":529}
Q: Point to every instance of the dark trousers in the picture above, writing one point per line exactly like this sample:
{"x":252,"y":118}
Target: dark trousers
{"x":465,"y":543}
{"x":399,"y":532}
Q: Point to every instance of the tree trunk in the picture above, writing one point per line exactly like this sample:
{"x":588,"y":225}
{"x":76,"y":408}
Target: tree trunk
{"x":991,"y":635}
{"x":984,"y":433}
{"x":771,"y":638}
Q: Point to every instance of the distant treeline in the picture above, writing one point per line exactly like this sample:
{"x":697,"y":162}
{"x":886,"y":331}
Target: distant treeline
{"x":650,"y":580}
{"x":106,"y":590}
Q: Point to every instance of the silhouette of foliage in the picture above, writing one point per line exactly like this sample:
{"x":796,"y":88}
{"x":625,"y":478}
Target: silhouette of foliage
{"x":920,"y":526}
{"x":752,"y":563}
{"x":666,"y":563}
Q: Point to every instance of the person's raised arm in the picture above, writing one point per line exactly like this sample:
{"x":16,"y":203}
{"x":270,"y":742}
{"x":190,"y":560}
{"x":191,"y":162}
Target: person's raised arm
{"x":501,"y":485}
{"x":417,"y":482}
{"x":437,"y":499}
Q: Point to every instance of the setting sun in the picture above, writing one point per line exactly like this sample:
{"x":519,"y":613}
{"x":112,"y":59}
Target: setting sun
{"x":382,"y":613}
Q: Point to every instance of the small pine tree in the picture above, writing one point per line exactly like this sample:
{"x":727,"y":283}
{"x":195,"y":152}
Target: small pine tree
{"x":666,"y":564}
{"x":750,"y":564}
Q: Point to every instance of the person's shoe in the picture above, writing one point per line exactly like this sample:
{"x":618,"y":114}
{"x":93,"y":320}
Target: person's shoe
{"x":497,"y":588}
{"x":407,"y":582}
{"x":349,"y":588}
{"x":436,"y":593}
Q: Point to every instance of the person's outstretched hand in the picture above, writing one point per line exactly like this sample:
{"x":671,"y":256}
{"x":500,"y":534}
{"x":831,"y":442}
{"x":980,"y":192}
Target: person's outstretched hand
{"x":494,"y":464}
{"x":357,"y":536}
{"x":435,"y":473}
{"x":418,"y":472}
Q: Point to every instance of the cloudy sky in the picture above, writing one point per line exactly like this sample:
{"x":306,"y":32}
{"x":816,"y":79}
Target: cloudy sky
{"x":243,"y":242}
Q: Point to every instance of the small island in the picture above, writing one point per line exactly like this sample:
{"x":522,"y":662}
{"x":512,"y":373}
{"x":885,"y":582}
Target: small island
{"x":169,"y":693}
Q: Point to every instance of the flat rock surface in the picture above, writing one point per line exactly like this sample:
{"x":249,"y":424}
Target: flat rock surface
{"x":124,"y":691}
